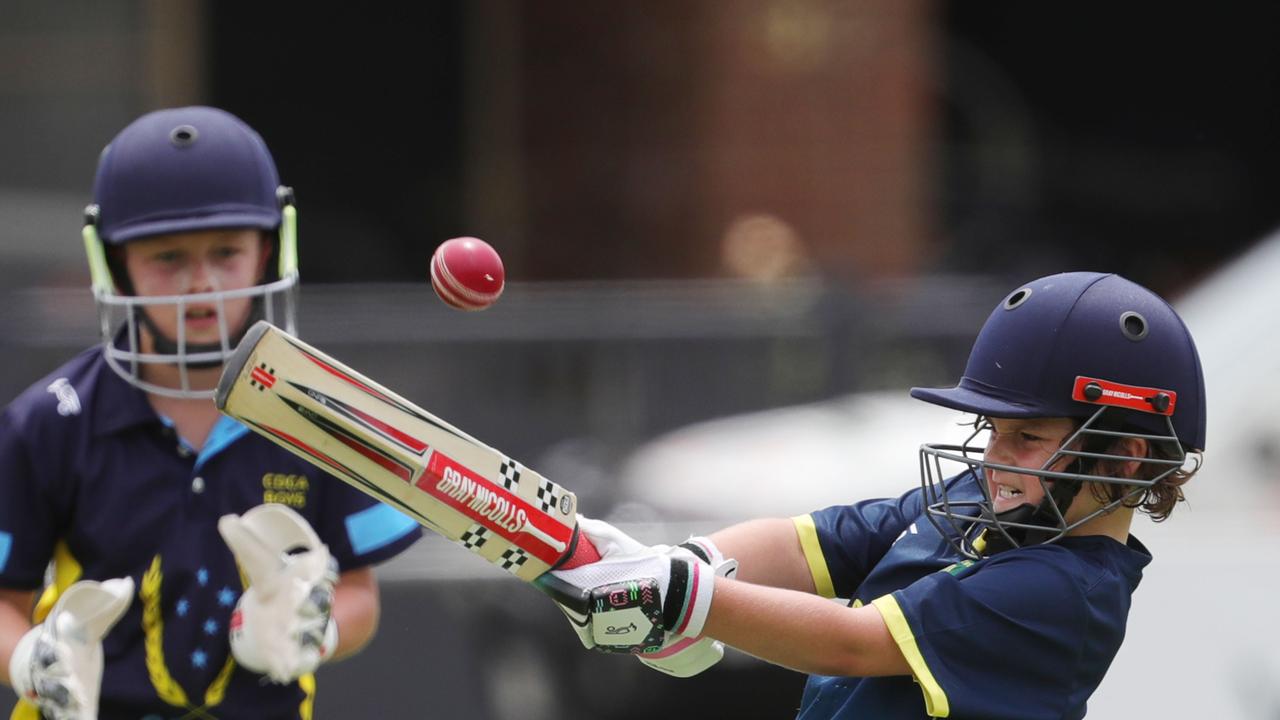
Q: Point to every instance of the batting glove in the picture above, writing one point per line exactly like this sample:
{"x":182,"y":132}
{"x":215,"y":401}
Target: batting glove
{"x":638,"y":597}
{"x":608,"y":541}
{"x":57,"y":665}
{"x":282,"y":625}
{"x":682,"y":656}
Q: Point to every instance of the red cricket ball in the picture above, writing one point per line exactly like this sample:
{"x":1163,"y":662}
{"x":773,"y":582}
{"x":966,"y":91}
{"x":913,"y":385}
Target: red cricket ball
{"x":467,"y":273}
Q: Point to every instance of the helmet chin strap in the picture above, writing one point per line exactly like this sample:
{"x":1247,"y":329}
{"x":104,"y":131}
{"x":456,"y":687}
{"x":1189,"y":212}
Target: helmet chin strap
{"x":1040,"y":514}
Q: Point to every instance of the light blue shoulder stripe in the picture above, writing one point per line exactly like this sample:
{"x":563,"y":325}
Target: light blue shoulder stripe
{"x":6,"y":544}
{"x":376,"y":527}
{"x":224,"y":432}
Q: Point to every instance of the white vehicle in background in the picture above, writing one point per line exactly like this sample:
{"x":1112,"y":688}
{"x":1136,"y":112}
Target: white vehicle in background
{"x":1203,"y":627}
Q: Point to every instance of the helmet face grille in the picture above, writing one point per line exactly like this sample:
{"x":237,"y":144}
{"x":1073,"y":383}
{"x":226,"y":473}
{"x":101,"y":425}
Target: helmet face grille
{"x":121,"y":318}
{"x":969,"y":522}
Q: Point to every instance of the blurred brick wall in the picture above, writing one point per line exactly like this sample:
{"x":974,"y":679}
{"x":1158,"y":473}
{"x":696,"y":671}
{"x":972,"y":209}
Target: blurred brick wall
{"x":646,"y":129}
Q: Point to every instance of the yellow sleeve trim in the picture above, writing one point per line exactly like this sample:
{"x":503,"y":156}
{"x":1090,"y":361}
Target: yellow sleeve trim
{"x":935,"y":699}
{"x":66,"y":571}
{"x":306,"y":711}
{"x":808,"y":534}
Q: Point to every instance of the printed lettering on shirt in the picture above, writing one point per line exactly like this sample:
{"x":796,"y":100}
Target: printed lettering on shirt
{"x":68,"y":400}
{"x":910,"y":529}
{"x":285,"y":489}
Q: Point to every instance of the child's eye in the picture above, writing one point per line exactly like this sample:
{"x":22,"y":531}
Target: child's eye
{"x":168,"y":256}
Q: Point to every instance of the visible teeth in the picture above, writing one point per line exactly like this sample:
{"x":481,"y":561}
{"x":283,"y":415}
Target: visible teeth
{"x":1005,"y":491}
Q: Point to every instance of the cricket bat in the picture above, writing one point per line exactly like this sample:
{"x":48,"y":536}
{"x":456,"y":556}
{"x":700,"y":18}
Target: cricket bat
{"x":357,"y":430}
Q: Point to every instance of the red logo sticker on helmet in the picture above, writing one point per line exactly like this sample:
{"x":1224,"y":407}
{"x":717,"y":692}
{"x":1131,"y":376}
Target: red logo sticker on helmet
{"x":1133,"y":397}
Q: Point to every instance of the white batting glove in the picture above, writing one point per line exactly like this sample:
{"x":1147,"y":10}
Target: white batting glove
{"x":668,"y":652}
{"x":638,"y":597}
{"x":57,"y":665}
{"x":608,"y":541}
{"x":682,"y":656}
{"x":282,"y":625}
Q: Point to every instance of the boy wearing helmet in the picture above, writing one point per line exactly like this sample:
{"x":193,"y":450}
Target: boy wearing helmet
{"x":197,"y":570}
{"x":1001,"y":586}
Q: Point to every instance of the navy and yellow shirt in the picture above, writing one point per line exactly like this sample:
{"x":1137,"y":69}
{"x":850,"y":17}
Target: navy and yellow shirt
{"x":93,"y":479}
{"x":1023,"y":635}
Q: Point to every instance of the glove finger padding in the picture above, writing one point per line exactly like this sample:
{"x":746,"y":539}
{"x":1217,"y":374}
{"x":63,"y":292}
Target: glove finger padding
{"x":88,"y":609}
{"x":282,"y":626}
{"x":57,"y":665}
{"x":263,"y":539}
{"x":684,"y":657}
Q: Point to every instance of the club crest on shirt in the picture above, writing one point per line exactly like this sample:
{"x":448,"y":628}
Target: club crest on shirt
{"x":959,"y":569}
{"x":68,"y":400}
{"x":286,"y":489}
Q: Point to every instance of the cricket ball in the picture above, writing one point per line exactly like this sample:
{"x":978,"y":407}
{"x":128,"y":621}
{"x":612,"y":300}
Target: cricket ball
{"x":467,"y":273}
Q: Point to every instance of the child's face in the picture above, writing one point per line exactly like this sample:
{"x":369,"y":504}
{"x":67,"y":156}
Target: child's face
{"x":197,"y":262}
{"x":1026,"y":443}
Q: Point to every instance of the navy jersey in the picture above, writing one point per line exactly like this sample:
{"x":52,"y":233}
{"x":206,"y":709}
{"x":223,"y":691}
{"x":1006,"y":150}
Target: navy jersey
{"x":92,"y":478}
{"x":1023,"y":635}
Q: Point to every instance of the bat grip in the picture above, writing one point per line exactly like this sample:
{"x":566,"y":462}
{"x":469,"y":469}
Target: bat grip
{"x":581,"y":552}
{"x":584,"y":553}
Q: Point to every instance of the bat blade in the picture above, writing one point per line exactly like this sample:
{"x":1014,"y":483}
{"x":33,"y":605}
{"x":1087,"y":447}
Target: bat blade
{"x":355,"y":429}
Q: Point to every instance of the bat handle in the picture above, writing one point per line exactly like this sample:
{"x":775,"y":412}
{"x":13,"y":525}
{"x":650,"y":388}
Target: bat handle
{"x":584,"y":553}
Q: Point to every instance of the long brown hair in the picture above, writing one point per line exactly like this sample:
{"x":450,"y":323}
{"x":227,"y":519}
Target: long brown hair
{"x":1158,"y":500}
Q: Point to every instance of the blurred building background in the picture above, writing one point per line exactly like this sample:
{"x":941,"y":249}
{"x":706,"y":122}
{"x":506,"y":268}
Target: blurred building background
{"x":706,"y":207}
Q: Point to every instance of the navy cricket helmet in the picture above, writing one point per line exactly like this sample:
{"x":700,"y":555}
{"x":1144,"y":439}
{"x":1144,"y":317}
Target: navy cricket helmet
{"x":193,"y":168}
{"x":1090,"y":346}
{"x":174,"y":171}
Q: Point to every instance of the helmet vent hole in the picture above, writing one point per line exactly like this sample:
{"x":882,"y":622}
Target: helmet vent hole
{"x":1133,"y":325}
{"x":183,"y":135}
{"x":1017,"y":298}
